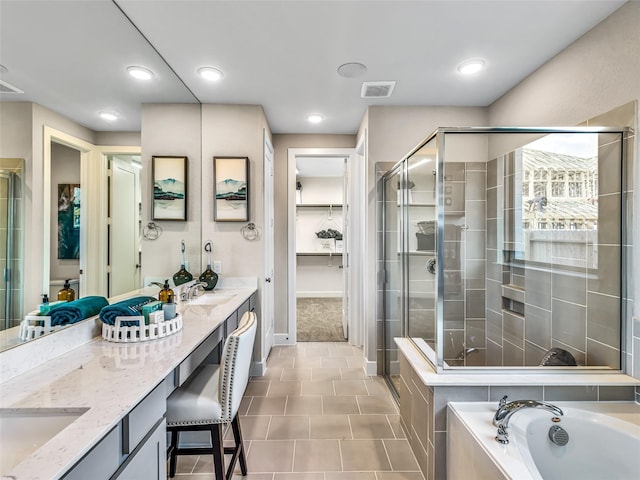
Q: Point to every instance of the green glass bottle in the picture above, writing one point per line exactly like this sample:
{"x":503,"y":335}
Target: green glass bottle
{"x":182,"y":275}
{"x":209,"y":276}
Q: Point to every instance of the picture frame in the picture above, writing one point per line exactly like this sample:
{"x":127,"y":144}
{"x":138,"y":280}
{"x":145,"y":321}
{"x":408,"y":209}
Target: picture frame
{"x":231,"y":189}
{"x":169,"y":178}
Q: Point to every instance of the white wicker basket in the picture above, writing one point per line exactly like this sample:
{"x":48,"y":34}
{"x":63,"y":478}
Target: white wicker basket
{"x":34,"y":326}
{"x":140,"y":332}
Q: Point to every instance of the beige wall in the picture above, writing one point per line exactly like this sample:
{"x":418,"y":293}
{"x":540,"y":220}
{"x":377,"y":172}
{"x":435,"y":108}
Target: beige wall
{"x":598,"y":72}
{"x":172,"y":130}
{"x":234,"y":130}
{"x":281,"y":145}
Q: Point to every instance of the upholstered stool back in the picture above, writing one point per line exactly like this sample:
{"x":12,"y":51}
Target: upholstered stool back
{"x":235,"y":365}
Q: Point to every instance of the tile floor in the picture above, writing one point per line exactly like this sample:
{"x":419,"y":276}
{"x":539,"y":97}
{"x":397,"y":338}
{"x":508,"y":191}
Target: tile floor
{"x":316,"y":416}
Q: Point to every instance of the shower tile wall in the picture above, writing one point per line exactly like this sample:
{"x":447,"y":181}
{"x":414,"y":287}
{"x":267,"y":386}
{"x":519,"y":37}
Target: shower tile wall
{"x":465,"y":234}
{"x":565,"y":303}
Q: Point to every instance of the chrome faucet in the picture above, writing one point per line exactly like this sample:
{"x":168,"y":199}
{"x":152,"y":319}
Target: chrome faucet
{"x":191,"y":290}
{"x":506,"y":410}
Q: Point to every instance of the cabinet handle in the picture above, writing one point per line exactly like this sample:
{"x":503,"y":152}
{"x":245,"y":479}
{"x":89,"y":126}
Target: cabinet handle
{"x":268,"y":279}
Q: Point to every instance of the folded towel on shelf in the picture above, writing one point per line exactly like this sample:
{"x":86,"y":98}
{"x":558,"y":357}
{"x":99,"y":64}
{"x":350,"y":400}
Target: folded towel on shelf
{"x":76,"y":310}
{"x":130,"y":307}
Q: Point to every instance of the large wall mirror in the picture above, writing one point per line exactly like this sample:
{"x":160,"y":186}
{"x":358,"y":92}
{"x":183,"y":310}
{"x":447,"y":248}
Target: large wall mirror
{"x":55,"y":146}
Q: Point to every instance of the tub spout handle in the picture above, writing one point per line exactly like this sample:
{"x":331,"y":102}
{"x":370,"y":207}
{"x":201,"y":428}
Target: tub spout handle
{"x":502,"y":436}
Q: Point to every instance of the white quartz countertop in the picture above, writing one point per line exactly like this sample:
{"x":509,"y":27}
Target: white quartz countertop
{"x":107,"y":378}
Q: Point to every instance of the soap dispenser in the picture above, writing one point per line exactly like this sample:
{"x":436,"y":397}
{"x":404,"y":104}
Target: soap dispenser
{"x":67,"y":293}
{"x":169,"y":308}
{"x":209,"y":276}
{"x":182,"y":275}
{"x":166,"y":292}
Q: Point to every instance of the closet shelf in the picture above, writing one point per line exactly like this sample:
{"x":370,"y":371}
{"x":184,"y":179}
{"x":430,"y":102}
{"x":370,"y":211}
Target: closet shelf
{"x":318,"y":205}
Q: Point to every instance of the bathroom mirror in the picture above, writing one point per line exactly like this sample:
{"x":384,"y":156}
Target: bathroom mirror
{"x":98,"y":42}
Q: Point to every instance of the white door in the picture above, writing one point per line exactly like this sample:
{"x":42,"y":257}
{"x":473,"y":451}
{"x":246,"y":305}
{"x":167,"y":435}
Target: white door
{"x":345,"y":253}
{"x":268,"y":291}
{"x":124,"y":243}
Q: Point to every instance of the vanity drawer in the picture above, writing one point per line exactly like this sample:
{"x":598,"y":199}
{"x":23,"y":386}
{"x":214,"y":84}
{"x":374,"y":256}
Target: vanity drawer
{"x":232,"y":322}
{"x":101,"y":462}
{"x":201,"y":352}
{"x":242,"y":309}
{"x":137,"y":424}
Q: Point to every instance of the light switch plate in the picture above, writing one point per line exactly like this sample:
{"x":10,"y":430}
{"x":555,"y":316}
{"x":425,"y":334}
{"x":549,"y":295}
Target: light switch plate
{"x":217,"y":266}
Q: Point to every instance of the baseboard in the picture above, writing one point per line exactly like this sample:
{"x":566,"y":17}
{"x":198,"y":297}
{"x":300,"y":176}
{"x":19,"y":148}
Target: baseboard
{"x":258,"y":369}
{"x":307,"y":294}
{"x":371,"y":368}
{"x":282,"y":339}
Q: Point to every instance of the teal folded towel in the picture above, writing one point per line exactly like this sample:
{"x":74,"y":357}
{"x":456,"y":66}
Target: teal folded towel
{"x":126,"y":308}
{"x":76,"y":310}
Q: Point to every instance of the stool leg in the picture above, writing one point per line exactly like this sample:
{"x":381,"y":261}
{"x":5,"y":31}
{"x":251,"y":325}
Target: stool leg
{"x":218,"y":451}
{"x":173,"y":455}
{"x":237,"y":434}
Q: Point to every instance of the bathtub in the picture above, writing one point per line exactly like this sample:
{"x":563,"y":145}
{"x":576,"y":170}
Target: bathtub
{"x":604,"y":443}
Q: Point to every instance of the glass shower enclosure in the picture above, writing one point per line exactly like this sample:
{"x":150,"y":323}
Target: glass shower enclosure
{"x":505,"y":247}
{"x":11,"y":249}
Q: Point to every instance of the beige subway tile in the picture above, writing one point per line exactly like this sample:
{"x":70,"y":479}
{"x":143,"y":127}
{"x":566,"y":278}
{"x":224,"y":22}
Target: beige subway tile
{"x":267,"y":406}
{"x":370,"y":426}
{"x":376,"y":404}
{"x":270,"y":456}
{"x":350,"y":387}
{"x":307,"y":405}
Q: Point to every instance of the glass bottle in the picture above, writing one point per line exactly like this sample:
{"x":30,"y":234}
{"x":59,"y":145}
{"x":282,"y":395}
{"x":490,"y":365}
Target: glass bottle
{"x":209,"y":276}
{"x":182,"y":275}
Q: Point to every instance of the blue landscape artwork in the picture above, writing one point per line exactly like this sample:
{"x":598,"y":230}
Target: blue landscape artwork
{"x":231,"y":197}
{"x":169,"y":188}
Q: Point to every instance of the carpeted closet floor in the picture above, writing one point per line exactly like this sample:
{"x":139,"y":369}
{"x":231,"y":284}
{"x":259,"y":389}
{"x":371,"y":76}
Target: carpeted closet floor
{"x":319,"y":319}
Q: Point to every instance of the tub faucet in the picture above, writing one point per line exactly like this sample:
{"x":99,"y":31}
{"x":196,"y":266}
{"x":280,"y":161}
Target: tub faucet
{"x":506,"y":410}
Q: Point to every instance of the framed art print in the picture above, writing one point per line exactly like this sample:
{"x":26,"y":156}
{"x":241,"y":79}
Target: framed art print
{"x":169,"y":188}
{"x":231,"y":189}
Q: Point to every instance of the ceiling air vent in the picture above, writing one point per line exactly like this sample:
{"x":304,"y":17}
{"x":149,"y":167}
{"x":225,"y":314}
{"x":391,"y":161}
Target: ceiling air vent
{"x":377,"y":89}
{"x":8,"y":88}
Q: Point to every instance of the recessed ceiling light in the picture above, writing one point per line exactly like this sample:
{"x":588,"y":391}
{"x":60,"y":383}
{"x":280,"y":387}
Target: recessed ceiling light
{"x":315,"y":118}
{"x":140,"y":73}
{"x":352,"y":70}
{"x":470,"y":67}
{"x":210,"y":73}
{"x":108,"y":116}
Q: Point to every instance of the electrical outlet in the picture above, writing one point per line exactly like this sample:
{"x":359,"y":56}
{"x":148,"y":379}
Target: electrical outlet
{"x":217,"y":266}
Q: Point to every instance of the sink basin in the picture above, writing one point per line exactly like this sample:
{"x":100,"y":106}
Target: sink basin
{"x":214,"y":298}
{"x":24,"y":430}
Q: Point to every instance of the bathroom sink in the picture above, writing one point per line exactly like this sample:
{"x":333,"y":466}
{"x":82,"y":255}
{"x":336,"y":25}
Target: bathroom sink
{"x":214,"y":298}
{"x":25,"y":430}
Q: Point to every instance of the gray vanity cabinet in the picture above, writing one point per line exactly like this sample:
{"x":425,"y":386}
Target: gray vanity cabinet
{"x":134,"y":449}
{"x":148,"y":462}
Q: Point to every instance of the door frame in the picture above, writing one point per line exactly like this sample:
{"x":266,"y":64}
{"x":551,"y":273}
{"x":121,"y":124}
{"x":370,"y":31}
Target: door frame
{"x":355,"y":324}
{"x":102,"y":152}
{"x":268,"y":294}
{"x":88,"y":277}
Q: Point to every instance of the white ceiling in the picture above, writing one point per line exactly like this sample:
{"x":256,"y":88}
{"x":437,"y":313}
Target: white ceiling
{"x":71,"y":56}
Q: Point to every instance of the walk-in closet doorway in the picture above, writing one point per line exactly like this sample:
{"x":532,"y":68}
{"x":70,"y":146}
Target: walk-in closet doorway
{"x":320,"y":244}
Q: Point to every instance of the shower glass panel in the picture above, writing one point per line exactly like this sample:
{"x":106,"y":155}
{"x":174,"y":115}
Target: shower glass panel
{"x":528,"y":253}
{"x":10,"y":242}
{"x":393,"y":304}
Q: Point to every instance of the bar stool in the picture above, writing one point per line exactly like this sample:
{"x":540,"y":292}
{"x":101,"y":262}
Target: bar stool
{"x":211,"y":398}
